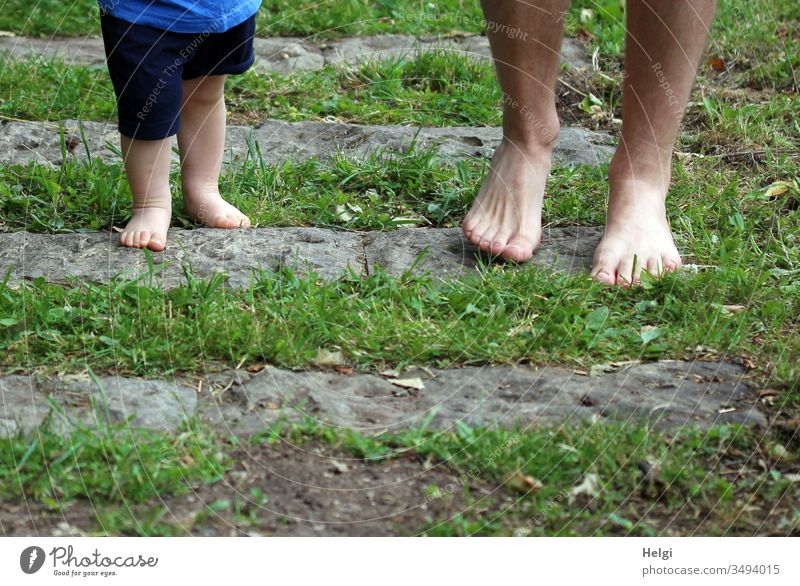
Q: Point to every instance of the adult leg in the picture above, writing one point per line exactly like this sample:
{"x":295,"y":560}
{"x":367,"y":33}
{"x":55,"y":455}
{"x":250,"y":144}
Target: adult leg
{"x":202,"y":143}
{"x":525,"y":37}
{"x":664,"y":44}
{"x":147,"y":165}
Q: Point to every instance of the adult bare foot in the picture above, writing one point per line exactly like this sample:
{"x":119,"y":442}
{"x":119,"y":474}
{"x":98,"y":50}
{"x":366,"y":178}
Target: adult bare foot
{"x":637,"y":235}
{"x":147,"y":228}
{"x":206,"y":206}
{"x":664,"y":46}
{"x":506,"y":217}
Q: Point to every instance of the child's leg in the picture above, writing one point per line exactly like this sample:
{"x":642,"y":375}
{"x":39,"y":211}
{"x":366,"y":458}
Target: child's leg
{"x":202,"y":142}
{"x":147,"y":164}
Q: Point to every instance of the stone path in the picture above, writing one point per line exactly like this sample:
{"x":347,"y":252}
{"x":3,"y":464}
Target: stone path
{"x":97,"y":257}
{"x":666,"y":394}
{"x":288,"y":54}
{"x":23,"y":142}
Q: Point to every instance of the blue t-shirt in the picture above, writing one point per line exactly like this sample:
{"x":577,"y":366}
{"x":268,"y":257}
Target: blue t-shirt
{"x":183,"y":16}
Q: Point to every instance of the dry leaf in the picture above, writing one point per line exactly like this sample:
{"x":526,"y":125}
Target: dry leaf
{"x":600,"y":369}
{"x":734,"y":308}
{"x":346,"y":370}
{"x":343,"y":213}
{"x":409,"y":383}
{"x":327,"y":358}
{"x":747,"y":362}
{"x":777,"y":188}
{"x":523,"y":482}
{"x":390,"y":373}
{"x":339,"y":467}
{"x":716,"y":64}
{"x":590,"y":486}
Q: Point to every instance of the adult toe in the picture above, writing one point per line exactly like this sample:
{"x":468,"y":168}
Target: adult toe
{"x":604,"y":267}
{"x":670,"y":262}
{"x":655,"y":266}
{"x":499,"y":242}
{"x":518,"y":249}
{"x":629,"y":271}
{"x":469,"y":224}
{"x":477,"y":233}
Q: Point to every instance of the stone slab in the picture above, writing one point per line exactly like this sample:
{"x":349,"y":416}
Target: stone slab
{"x":76,"y":399}
{"x":666,"y":395}
{"x":446,"y":253}
{"x":287,"y":54}
{"x":85,"y":50}
{"x":47,"y":143}
{"x":279,"y":141}
{"x":97,"y":257}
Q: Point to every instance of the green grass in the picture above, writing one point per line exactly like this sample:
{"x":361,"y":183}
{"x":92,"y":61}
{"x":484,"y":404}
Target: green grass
{"x":707,"y":196}
{"x":430,"y":89}
{"x":106,"y":464}
{"x":372,"y":193}
{"x":376,"y":193}
{"x":326,"y":18}
{"x":759,"y":43}
{"x":44,"y":90}
{"x":433,"y":89}
{"x":379,"y":321}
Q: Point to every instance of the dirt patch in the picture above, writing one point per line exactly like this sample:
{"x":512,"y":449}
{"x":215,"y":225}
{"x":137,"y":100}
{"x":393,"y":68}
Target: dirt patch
{"x":284,"y":490}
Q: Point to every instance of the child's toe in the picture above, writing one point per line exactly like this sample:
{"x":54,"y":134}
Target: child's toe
{"x":143,"y":238}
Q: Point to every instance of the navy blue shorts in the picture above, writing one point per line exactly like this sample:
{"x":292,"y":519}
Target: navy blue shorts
{"x":148,"y":66}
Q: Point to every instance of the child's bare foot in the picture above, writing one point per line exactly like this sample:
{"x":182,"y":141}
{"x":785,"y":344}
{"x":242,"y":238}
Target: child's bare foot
{"x":637,"y":236}
{"x":206,"y":206}
{"x":147,"y":228}
{"x":506,"y":217}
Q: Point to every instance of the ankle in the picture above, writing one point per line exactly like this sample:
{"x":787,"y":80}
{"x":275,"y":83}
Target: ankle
{"x":531,"y":131}
{"x":200,"y":189}
{"x":536,"y":140}
{"x":539,"y":154}
{"x":645,"y":163}
{"x":153,"y":201}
